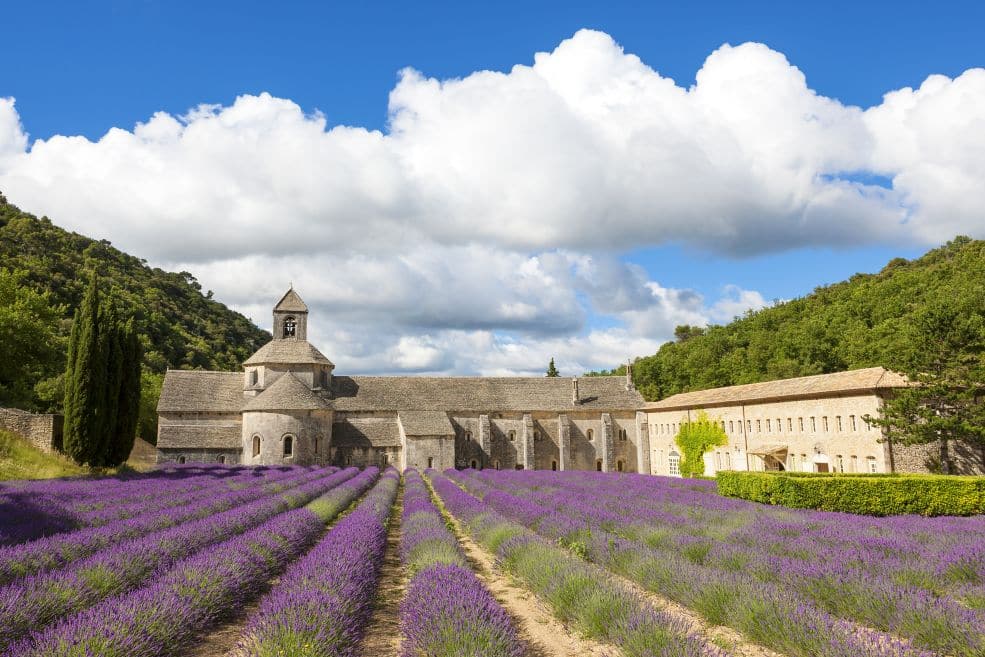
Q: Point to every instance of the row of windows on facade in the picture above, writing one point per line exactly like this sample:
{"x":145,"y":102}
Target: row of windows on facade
{"x":621,"y":434}
{"x":674,"y":427}
{"x":723,"y":461}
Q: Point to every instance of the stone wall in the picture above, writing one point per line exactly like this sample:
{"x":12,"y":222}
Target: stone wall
{"x":44,"y":431}
{"x":311,"y":433}
{"x":194,"y":455}
{"x":965,"y":459}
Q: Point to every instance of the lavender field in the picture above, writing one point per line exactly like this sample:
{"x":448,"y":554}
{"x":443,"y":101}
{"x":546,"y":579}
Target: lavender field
{"x":289,"y":561}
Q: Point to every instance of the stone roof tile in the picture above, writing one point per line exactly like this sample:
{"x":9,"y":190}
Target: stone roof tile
{"x":368,"y":432}
{"x":291,"y":303}
{"x":423,"y":393}
{"x":862,"y":380}
{"x":287,"y":393}
{"x":288,"y":352}
{"x":200,"y":391}
{"x":426,"y":423}
{"x":195,"y":435}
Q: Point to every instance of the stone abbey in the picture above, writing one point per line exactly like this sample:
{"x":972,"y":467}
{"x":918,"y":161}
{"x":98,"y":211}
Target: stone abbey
{"x":288,"y":406}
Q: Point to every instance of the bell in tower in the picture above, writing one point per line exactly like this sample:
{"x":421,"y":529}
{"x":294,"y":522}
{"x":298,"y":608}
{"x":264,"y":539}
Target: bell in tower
{"x":290,"y":318}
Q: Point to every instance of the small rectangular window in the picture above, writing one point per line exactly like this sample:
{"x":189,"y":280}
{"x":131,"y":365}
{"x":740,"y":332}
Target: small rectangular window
{"x":769,"y":425}
{"x":838,"y":422}
{"x":749,"y":426}
{"x":790,"y":424}
{"x":759,"y":426}
{"x":824,"y":422}
{"x":813,"y":425}
{"x":800,"y":423}
{"x":873,"y":467}
{"x":728,"y":460}
{"x":852,"y":418}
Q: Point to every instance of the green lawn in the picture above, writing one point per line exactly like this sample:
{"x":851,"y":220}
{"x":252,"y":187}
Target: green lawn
{"x":21,"y":460}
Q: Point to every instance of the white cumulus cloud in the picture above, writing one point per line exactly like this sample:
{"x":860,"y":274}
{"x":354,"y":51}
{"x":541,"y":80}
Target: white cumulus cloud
{"x":482,"y":229}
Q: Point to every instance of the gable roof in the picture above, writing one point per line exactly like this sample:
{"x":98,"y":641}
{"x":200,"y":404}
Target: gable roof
{"x":366,"y":432}
{"x":425,"y":423}
{"x":429,"y":393}
{"x":201,"y":391}
{"x":191,"y":435}
{"x":838,"y":383}
{"x":287,"y":393}
{"x":288,"y":352}
{"x":291,"y":303}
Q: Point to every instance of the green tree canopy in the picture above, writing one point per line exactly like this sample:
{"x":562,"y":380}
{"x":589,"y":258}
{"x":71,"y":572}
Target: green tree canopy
{"x":551,"y":370}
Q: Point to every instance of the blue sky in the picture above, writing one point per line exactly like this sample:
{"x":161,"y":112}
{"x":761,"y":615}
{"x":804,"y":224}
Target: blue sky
{"x":84,"y":68}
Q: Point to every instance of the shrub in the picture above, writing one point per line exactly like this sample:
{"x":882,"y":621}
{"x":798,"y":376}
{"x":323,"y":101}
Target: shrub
{"x":873,"y":495}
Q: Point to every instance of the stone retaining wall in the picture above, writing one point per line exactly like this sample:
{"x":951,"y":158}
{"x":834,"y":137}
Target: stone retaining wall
{"x":44,"y":431}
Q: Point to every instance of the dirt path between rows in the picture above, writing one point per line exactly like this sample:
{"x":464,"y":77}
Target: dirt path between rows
{"x":383,"y":635}
{"x":543,"y":634}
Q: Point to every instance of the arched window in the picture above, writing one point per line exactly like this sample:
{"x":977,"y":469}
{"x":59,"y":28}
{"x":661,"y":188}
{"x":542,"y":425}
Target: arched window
{"x":222,"y":459}
{"x":181,"y":459}
{"x":590,"y":434}
{"x":598,"y":465}
{"x":290,"y":327}
{"x":256,"y":445}
{"x":468,"y":436}
{"x":554,"y":465}
{"x":512,"y":436}
{"x":618,"y":466}
{"x":496,"y":464}
{"x":384,"y":458}
{"x":474,"y":464}
{"x":288,"y":445}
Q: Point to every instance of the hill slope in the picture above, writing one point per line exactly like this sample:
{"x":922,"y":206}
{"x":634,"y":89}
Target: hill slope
{"x":861,"y":322}
{"x":179,"y":326}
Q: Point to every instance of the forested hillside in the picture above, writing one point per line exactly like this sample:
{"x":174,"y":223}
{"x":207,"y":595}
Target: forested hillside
{"x":43,"y":273}
{"x":862,"y":322}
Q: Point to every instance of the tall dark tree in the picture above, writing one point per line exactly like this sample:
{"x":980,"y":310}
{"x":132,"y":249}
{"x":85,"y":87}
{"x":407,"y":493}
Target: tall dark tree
{"x":102,"y":384}
{"x":946,"y":402}
{"x":112,"y":348}
{"x":551,"y":370}
{"x":83,"y":436}
{"x":128,"y":407}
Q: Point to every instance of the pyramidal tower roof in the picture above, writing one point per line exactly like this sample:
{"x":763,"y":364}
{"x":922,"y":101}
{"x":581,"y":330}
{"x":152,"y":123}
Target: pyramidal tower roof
{"x":291,"y":303}
{"x":287,"y":393}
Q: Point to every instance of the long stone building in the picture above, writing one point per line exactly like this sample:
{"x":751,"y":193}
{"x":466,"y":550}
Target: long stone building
{"x":288,"y":406}
{"x":806,"y":424}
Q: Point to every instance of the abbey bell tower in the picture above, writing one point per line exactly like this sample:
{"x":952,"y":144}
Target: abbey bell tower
{"x":290,"y":318}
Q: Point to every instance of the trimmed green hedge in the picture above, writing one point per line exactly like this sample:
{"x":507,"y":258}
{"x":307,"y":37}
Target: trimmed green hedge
{"x":872,"y":495}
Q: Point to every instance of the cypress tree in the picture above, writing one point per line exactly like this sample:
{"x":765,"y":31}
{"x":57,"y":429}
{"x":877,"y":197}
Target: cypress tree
{"x":128,"y":407}
{"x":112,"y":348}
{"x":84,"y":382}
{"x":551,"y":370}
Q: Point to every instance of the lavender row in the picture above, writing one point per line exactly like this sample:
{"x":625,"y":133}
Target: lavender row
{"x":167,"y":496}
{"x":61,"y":549}
{"x":164,"y":617}
{"x":322,"y":603}
{"x":770,"y":613}
{"x":447,"y":611}
{"x":28,"y":512}
{"x":892,"y":574}
{"x":578,"y":593}
{"x":944,"y":557}
{"x":35,"y":601}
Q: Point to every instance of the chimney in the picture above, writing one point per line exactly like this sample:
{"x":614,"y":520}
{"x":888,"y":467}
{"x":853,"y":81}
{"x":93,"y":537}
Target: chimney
{"x":574,"y":391}
{"x":629,"y":374}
